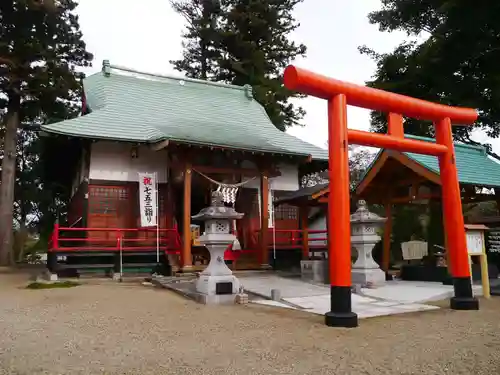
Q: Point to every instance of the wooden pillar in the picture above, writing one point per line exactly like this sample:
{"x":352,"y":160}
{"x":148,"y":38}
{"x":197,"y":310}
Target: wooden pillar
{"x":386,"y":251}
{"x":186,"y":259}
{"x":264,"y":220}
{"x":304,"y":225}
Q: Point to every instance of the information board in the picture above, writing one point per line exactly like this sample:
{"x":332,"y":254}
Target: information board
{"x":475,"y":244}
{"x":494,"y":240}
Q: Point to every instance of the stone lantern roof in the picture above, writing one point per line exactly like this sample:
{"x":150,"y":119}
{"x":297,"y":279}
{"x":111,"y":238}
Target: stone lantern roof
{"x":362,"y":215}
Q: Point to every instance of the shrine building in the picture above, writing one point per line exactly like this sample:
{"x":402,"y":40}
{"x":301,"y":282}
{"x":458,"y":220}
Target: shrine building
{"x":145,"y":155}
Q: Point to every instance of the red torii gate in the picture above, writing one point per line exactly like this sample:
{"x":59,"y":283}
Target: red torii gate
{"x":340,"y":94}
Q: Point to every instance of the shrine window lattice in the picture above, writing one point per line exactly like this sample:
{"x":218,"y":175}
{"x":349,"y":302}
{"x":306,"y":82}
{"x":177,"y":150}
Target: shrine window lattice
{"x":284,"y":211}
{"x":106,"y":200}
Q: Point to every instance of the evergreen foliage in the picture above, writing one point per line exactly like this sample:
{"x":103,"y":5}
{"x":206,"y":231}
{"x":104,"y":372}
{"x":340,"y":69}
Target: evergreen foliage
{"x":243,"y":42}
{"x":40,"y":47}
{"x":454,"y":64}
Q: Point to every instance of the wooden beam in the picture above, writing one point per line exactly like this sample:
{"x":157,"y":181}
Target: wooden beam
{"x":249,"y":172}
{"x":403,"y":159}
{"x":410,"y":199}
{"x":386,"y":251}
{"x":379,"y":163}
{"x":186,"y":259}
{"x":415,"y":179}
{"x":321,"y":193}
{"x":264,"y":220}
{"x":159,"y":145}
{"x":416,"y":167}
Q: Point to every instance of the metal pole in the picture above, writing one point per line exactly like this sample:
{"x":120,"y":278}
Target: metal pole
{"x":157,"y":219}
{"x":121,"y":257}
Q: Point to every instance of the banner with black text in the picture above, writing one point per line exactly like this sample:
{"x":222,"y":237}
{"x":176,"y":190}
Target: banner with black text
{"x":148,"y":200}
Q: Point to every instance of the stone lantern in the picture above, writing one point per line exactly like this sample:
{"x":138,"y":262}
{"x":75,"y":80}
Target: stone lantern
{"x":364,"y":226}
{"x":217,"y":283}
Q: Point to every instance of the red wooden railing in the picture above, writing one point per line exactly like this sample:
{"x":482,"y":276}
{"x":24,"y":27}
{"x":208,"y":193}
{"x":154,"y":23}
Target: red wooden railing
{"x":65,"y":239}
{"x":293,"y":238}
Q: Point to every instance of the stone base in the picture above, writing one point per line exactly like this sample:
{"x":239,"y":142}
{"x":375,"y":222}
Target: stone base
{"x":187,"y":288}
{"x":374,"y":276}
{"x":217,"y":299}
{"x":464,"y":303}
{"x":206,"y":289}
{"x":242,"y":299}
{"x":116,"y":276}
{"x":187,"y":269}
{"x":206,"y":284}
{"x":342,"y":320}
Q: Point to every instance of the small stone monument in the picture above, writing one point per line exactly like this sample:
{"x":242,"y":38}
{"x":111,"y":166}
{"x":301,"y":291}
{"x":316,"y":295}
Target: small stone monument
{"x":217,"y":284}
{"x":364,"y":225}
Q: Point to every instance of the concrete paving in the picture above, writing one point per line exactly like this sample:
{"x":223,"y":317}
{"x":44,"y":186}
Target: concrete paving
{"x":289,"y":287}
{"x":395,"y":297}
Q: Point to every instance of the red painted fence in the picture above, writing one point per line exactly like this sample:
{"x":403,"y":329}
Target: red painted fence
{"x":64,"y":239}
{"x":67,"y":240}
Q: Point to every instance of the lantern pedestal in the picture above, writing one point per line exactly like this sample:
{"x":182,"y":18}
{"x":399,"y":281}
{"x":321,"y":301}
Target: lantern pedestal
{"x":368,"y":277}
{"x":217,"y":282}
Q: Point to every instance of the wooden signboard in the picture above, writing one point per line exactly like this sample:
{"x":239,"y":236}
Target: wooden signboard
{"x":494,"y":240}
{"x":476,"y":246}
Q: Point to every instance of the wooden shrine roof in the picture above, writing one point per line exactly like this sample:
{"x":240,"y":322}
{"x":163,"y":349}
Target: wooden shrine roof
{"x":303,"y":196}
{"x":405,"y":177}
{"x":126,"y":105}
{"x":474,"y":165}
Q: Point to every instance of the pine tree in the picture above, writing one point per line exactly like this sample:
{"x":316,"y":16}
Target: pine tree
{"x":40,"y":46}
{"x":200,"y":38}
{"x":249,"y":44}
{"x":455,"y":64}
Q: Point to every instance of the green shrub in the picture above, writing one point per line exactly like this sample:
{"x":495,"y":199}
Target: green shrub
{"x":57,"y":284}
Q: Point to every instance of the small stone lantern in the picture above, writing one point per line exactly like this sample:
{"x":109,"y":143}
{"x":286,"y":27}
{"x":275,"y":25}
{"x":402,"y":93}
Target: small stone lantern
{"x":364,"y":226}
{"x":217,"y":282}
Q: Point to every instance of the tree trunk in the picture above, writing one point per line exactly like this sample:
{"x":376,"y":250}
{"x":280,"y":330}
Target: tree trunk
{"x":23,"y":215}
{"x":8,"y":182}
{"x":22,"y":240}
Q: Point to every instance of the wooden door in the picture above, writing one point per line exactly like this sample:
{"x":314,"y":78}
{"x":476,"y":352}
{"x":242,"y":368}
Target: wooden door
{"x":109,"y":207}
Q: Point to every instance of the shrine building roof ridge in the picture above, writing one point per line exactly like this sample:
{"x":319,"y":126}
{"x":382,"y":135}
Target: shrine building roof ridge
{"x":133,"y":106}
{"x":475,"y":166}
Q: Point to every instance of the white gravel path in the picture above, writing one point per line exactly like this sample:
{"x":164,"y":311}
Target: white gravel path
{"x":109,"y":328}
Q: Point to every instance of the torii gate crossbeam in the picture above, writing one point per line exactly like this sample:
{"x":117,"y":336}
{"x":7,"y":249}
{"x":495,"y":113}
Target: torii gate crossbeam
{"x":340,"y":94}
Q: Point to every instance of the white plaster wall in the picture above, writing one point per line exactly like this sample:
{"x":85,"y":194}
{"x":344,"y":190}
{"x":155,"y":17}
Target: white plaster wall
{"x":112,"y":161}
{"x":288,"y":181}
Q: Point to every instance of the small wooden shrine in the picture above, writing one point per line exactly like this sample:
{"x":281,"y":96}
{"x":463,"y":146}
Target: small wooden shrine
{"x":395,"y":178}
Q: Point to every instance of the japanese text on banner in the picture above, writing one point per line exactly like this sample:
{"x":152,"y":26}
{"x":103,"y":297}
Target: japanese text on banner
{"x":147,"y":199}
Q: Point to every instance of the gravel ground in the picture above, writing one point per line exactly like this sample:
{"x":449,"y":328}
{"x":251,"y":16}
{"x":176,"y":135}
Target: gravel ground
{"x":104,"y":327}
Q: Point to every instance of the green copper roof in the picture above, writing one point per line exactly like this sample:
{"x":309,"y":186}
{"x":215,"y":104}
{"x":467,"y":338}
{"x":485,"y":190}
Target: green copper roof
{"x":474,"y":165}
{"x":141,"y":107}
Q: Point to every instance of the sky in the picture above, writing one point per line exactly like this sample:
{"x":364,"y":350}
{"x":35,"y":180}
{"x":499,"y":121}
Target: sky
{"x":146,"y":35}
